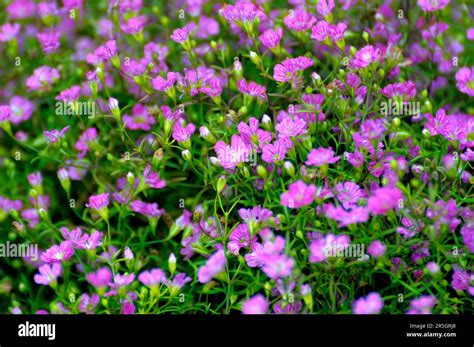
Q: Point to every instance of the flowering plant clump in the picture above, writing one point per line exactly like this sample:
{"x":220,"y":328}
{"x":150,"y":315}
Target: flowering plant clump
{"x":250,"y":156}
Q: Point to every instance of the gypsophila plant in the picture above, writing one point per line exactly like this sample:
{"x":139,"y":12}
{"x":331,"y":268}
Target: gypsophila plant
{"x":252,"y":156}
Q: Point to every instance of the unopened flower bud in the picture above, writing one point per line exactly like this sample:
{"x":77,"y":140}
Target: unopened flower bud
{"x":172,"y":264}
{"x":186,"y":154}
{"x":221,"y":183}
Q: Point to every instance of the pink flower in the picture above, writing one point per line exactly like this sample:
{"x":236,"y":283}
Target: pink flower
{"x":423,"y":305}
{"x":357,"y":214}
{"x":82,"y":145}
{"x":241,"y":12}
{"x":407,"y":89}
{"x":299,"y":20}
{"x":465,"y":80}
{"x":8,"y":32}
{"x":213,"y":267}
{"x":180,"y":35}
{"x":371,"y":304}
{"x":88,"y":303}
{"x":324,"y":246}
{"x":231,"y":155}
{"x":364,"y":57}
{"x":153,"y":277}
{"x":240,"y":238}
{"x":152,"y":179}
{"x":101,"y":278}
{"x":98,"y":202}
{"x":146,"y":209}
{"x":42,"y":78}
{"x":5,"y":113}
{"x":21,"y":109}
{"x":287,"y":70}
{"x":49,"y":41}
{"x":321,"y":31}
{"x":252,"y":89}
{"x":271,"y":38}
{"x":348,"y":194}
{"x":376,"y":249}
{"x":432,"y":5}
{"x":183,"y":134}
{"x":133,"y":25}
{"x":48,"y":274}
{"x":321,"y":156}
{"x":69,"y":95}
{"x":384,"y":200}
{"x":291,"y":126}
{"x":324,"y":7}
{"x":58,"y":254}
{"x":278,"y":266}
{"x":107,"y":51}
{"x":298,"y":195}
{"x":257,"y":304}
{"x":55,"y":135}
{"x":274,"y":152}
{"x":162,"y":85}
{"x":139,"y":120}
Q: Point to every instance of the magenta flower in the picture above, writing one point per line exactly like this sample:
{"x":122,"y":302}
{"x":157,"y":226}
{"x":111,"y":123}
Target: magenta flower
{"x":240,"y":238}
{"x":58,"y":254}
{"x":376,"y":249}
{"x":371,"y":304}
{"x":465,"y":80}
{"x":152,"y":179}
{"x":423,"y":305}
{"x":298,"y":195}
{"x":255,"y":215}
{"x":162,"y":85}
{"x":321,"y":30}
{"x":87,"y":304}
{"x":271,"y":38}
{"x":278,"y":266}
{"x":325,"y":246}
{"x":107,"y":51}
{"x":324,"y":7}
{"x":139,"y":120}
{"x":101,"y":278}
{"x":42,"y":78}
{"x":147,"y":209}
{"x":348,"y":194}
{"x":49,"y":41}
{"x":287,"y":70}
{"x":88,"y":137}
{"x":299,"y":20}
{"x":241,"y":12}
{"x":467,"y":233}
{"x":402,"y":89}
{"x":153,"y":277}
{"x":384,"y":200}
{"x":213,"y":267}
{"x":48,"y":274}
{"x":432,"y":5}
{"x":291,"y":126}
{"x":133,"y":25}
{"x":8,"y":32}
{"x":257,"y":304}
{"x":357,"y":214}
{"x":98,"y":202}
{"x":181,"y":35}
{"x":70,"y":94}
{"x":21,"y":109}
{"x":321,"y":156}
{"x":364,"y":57}
{"x":5,"y":113}
{"x":252,"y":135}
{"x":178,"y":282}
{"x":272,"y":153}
{"x":183,"y":134}
{"x":230,"y":156}
{"x":55,"y":135}
{"x":252,"y":89}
